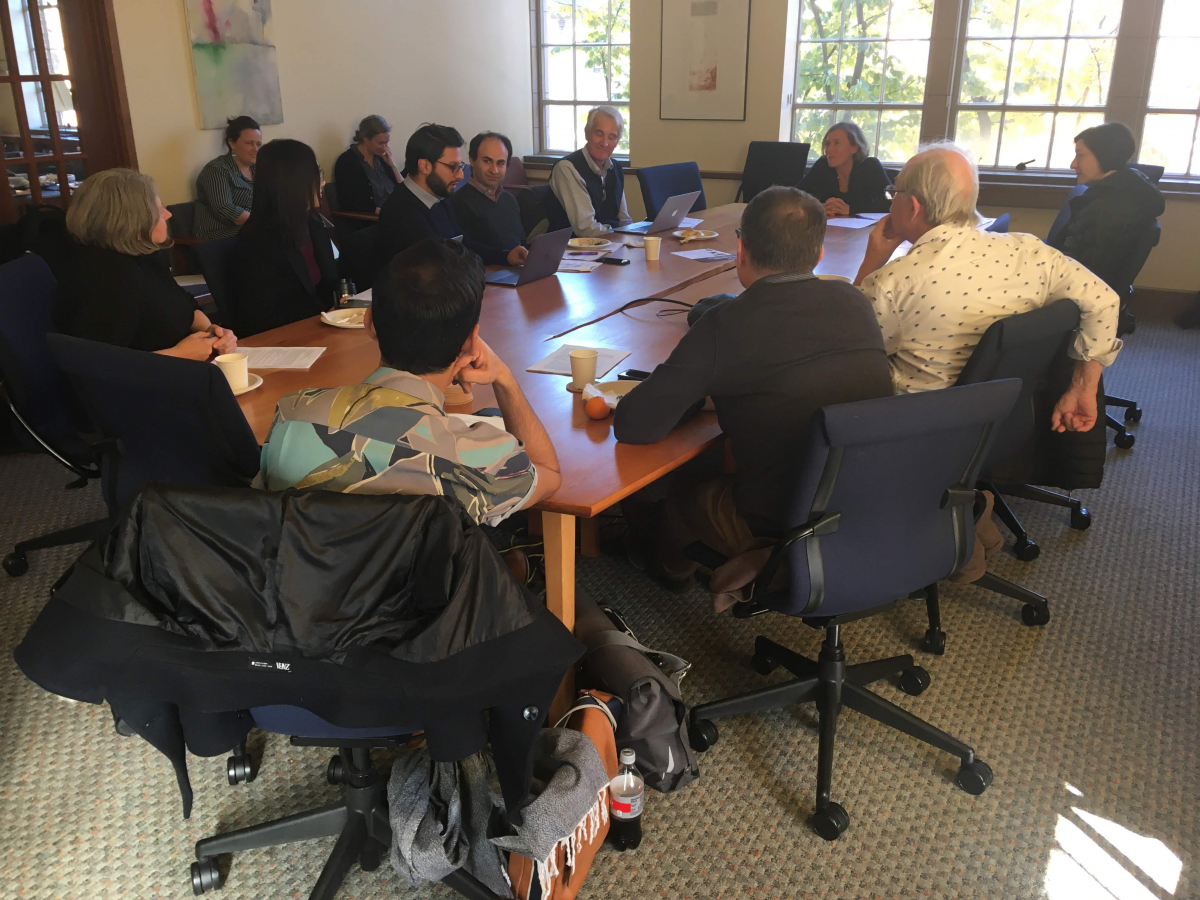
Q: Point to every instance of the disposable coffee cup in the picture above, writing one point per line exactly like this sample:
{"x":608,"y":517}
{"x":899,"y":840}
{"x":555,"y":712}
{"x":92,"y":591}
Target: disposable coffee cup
{"x":583,"y":368}
{"x":234,"y":367}
{"x":653,"y":248}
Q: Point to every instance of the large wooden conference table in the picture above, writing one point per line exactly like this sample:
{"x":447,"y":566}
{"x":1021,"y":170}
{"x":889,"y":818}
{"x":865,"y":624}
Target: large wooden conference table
{"x":523,"y":325}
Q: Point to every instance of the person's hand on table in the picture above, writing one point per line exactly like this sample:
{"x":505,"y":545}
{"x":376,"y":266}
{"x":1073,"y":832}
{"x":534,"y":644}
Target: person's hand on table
{"x":197,"y":345}
{"x":1075,"y":411}
{"x":481,"y":367}
{"x":517,"y":256}
{"x":835,"y":206}
{"x":225,"y":340}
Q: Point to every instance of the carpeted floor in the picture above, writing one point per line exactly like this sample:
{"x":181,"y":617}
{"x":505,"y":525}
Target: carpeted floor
{"x":1091,"y":725}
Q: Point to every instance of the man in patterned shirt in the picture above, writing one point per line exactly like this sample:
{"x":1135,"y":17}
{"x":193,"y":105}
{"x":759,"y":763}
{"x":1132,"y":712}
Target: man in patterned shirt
{"x":935,"y":302}
{"x":391,"y":434}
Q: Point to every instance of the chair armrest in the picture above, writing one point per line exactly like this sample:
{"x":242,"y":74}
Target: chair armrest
{"x":826,"y":523}
{"x":365,"y":217}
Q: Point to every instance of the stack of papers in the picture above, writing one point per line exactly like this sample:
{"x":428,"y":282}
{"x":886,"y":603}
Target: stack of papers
{"x":577,"y":265}
{"x":705,"y":255}
{"x":559,"y":362}
{"x":281,"y":357}
{"x":688,"y":222}
{"x":852,"y":222}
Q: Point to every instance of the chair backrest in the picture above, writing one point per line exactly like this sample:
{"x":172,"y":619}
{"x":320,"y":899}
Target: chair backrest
{"x":1000,"y":226}
{"x":359,"y":260}
{"x":183,"y":219}
{"x":1064,"y":213}
{"x":661,"y":183}
{"x":1135,"y":258}
{"x":772,"y":162}
{"x":538,"y":203}
{"x":515,"y":175}
{"x":331,"y":196}
{"x":33,"y":383}
{"x":176,"y":420}
{"x":1025,"y":347}
{"x":214,"y":258}
{"x":887,"y":468}
{"x":1154,"y":173}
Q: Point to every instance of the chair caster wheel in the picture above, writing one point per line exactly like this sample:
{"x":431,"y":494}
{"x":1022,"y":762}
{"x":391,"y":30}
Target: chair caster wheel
{"x":1026,"y":550}
{"x":974,"y":777}
{"x":1035,"y":615}
{"x":830,"y":822}
{"x":239,"y":768}
{"x":370,"y":857}
{"x":914,"y":680}
{"x":1133,"y":415}
{"x":1124,"y":440}
{"x":1081,"y":519}
{"x":16,"y":565}
{"x":206,"y":876}
{"x":703,"y":734}
{"x":335,"y":772}
{"x":934,"y":642}
{"x":763,"y":665}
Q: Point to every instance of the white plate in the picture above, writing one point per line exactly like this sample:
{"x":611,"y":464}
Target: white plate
{"x":344,"y":318}
{"x":702,"y":234}
{"x":588,"y":243}
{"x":252,"y":382}
{"x":619,"y":387}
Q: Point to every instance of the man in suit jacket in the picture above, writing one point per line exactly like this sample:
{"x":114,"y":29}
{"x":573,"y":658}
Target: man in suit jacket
{"x":419,"y":208}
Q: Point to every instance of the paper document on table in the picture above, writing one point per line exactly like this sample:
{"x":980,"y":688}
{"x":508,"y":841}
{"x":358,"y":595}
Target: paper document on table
{"x":849,"y":223}
{"x":875,"y":216}
{"x":705,"y":255}
{"x":363,"y":296}
{"x":577,"y":265}
{"x":559,"y":362}
{"x":688,"y":222}
{"x":281,"y":357}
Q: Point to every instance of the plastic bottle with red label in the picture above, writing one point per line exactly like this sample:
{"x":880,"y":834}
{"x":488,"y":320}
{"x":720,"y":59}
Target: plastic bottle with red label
{"x":626,"y":793}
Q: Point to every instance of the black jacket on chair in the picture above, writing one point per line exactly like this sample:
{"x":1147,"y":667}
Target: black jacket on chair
{"x":370,"y":611}
{"x":269,"y":283}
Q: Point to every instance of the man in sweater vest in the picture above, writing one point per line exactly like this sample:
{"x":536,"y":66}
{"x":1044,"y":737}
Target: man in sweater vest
{"x":589,"y":183}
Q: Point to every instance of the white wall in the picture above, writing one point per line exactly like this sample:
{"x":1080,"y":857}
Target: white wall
{"x":339,"y":60}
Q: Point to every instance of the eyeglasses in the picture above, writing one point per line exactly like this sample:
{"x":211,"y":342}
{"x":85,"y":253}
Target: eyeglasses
{"x":891,"y":190}
{"x":457,"y":168}
{"x":738,"y":232}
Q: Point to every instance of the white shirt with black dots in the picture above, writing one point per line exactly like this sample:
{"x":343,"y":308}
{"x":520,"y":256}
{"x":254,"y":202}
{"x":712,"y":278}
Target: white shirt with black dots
{"x":935,"y":302}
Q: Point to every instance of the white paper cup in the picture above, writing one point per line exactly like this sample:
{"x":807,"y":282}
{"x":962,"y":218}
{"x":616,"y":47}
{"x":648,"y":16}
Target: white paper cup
{"x":583,"y":367}
{"x":653,"y":248}
{"x":234,"y":367}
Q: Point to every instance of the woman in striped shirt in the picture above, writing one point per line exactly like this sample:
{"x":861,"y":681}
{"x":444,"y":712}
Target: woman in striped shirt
{"x":225,"y":188}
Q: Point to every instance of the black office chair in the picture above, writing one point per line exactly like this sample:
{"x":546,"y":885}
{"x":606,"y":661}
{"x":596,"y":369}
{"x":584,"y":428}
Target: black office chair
{"x":213,"y":258}
{"x":359,"y":260}
{"x":541,"y":211}
{"x":660,"y":183}
{"x":769,"y":163}
{"x":162,"y":418}
{"x":37,"y":394}
{"x":883,"y":507}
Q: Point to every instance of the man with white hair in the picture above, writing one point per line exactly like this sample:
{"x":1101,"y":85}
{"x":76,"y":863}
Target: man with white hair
{"x":935,"y":302}
{"x":589,"y":183}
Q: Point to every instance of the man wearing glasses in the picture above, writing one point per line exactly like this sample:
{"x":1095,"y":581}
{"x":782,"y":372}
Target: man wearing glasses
{"x":419,"y":208}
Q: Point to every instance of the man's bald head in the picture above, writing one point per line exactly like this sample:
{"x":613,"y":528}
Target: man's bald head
{"x":945,"y":181}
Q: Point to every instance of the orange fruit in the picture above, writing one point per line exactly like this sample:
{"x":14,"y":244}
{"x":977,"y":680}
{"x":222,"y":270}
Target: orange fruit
{"x":596,"y":407}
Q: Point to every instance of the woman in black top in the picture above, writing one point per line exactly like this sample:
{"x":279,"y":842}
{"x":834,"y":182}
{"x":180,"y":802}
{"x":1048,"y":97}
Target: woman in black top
{"x":365,"y":174}
{"x":115,"y":286}
{"x":282,"y":267}
{"x":845,"y":179}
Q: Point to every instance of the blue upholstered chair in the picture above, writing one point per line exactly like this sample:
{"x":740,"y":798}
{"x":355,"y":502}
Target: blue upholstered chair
{"x":1000,"y":226}
{"x":882,"y":507}
{"x":213,"y":258}
{"x":661,"y":183}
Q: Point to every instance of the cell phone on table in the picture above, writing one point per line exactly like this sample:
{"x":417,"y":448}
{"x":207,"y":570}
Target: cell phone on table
{"x":633,"y":375}
{"x":615,"y":260}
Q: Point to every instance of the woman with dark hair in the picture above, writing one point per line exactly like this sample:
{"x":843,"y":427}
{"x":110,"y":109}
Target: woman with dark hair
{"x":282,"y":267}
{"x":365,"y":174}
{"x":225,"y":186}
{"x":845,"y":179}
{"x":1119,"y":205}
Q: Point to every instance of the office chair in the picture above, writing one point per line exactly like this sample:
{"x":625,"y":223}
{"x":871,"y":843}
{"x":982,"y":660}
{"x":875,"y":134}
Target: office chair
{"x":162,"y":418}
{"x":1154,"y":173}
{"x":38,"y":395}
{"x":182,"y":228}
{"x":541,"y":211}
{"x":769,"y":163}
{"x":213,"y":258}
{"x":359,"y":260}
{"x":515,"y":176}
{"x":1000,"y":226}
{"x":1064,"y":213}
{"x":882,"y":507}
{"x":661,"y":183}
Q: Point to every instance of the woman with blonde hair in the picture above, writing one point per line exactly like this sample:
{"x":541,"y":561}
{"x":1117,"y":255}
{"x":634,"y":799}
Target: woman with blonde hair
{"x":116,"y":287}
{"x":845,"y":179}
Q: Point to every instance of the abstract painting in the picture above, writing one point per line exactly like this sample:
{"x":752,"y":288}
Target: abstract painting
{"x":234,"y":61}
{"x":705,"y":46}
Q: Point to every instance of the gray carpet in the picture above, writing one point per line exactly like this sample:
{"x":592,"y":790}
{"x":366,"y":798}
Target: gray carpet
{"x":1090,"y":724}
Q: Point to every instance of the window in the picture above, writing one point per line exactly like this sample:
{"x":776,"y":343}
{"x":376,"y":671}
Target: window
{"x":583,"y":61}
{"x":863,"y":60}
{"x":1034,"y":74}
{"x":1169,"y":132}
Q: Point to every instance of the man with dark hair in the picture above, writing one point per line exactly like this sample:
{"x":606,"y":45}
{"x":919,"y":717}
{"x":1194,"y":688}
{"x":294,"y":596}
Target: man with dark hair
{"x":391,"y":434}
{"x":769,"y":359}
{"x":488,"y":213}
{"x":419,"y":207}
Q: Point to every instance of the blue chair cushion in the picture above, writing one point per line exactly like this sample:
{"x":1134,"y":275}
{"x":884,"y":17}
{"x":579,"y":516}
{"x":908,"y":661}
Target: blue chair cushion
{"x":298,"y":722}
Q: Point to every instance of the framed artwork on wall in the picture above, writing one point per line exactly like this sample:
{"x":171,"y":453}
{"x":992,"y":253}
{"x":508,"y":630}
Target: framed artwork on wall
{"x":705,"y":49}
{"x":234,"y":61}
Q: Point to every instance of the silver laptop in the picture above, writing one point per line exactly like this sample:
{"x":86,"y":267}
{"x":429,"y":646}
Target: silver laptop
{"x":671,"y":214}
{"x":544,"y":256}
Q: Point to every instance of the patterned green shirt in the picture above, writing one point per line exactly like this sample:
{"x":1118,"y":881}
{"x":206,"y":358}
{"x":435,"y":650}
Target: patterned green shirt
{"x":391,"y":435}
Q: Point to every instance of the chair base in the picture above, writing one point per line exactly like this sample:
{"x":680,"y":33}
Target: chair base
{"x":832,"y":684}
{"x":360,"y":821}
{"x":17,"y":562}
{"x":1024,"y":547}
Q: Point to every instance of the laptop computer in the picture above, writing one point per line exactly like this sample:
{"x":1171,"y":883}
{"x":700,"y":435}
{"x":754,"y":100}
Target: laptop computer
{"x":544,"y":256}
{"x":671,"y":214}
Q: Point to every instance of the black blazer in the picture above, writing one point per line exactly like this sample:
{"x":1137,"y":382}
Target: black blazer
{"x":115,"y":298}
{"x":867,"y":184}
{"x":405,"y":220}
{"x":269,"y":284}
{"x":354,"y":191}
